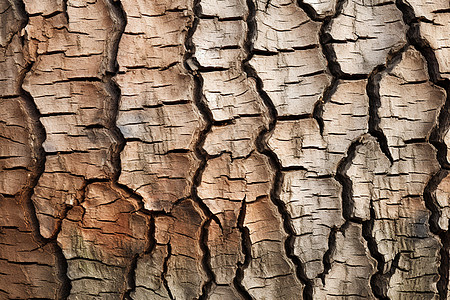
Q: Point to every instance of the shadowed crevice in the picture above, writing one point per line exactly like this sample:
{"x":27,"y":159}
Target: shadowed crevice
{"x":262,"y":147}
{"x":193,"y":67}
{"x":247,"y":250}
{"x":436,"y":139}
{"x":39,"y":136}
{"x":165,"y":269}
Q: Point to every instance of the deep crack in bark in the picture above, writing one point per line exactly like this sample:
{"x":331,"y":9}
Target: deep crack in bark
{"x":39,"y":135}
{"x":164,"y":271}
{"x":262,"y":147}
{"x":247,"y":250}
{"x":436,"y":139}
{"x":191,"y":64}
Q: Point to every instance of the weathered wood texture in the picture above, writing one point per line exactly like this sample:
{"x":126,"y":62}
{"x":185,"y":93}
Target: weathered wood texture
{"x":224,"y":149}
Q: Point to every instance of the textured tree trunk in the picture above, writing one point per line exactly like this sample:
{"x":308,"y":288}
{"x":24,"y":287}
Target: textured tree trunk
{"x":224,"y":149}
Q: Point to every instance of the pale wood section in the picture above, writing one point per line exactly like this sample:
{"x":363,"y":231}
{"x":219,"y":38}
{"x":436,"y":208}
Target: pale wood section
{"x":157,"y":114}
{"x":428,"y":9}
{"x":401,"y":230}
{"x":99,"y":238}
{"x":434,"y":30}
{"x":351,"y":268}
{"x":281,"y":25}
{"x":365,"y":33}
{"x":367,"y":163}
{"x":323,"y":8}
{"x":270,"y":274}
{"x":185,"y":275}
{"x":300,"y":144}
{"x":410,"y":103}
{"x":219,"y":44}
{"x":236,"y":185}
{"x":294,"y":81}
{"x":230,"y":94}
{"x":224,"y":292}
{"x":224,"y":8}
{"x":315,"y":207}
{"x":237,"y":138}
{"x":345,"y":118}
{"x":44,"y":7}
{"x":442,"y":197}
{"x":438,"y":39}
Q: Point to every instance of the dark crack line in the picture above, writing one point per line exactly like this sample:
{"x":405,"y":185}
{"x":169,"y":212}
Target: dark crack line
{"x":206,"y":259}
{"x":119,"y":18}
{"x":373,"y":92}
{"x":191,"y":64}
{"x":379,"y":281}
{"x":247,"y":250}
{"x":39,"y":136}
{"x":165,"y":269}
{"x":436,"y":139}
{"x":262,"y":147}
{"x":131,"y":278}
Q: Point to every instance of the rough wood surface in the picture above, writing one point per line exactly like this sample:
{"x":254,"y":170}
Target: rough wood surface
{"x":434,"y":24}
{"x":365,"y":33}
{"x":239,"y":149}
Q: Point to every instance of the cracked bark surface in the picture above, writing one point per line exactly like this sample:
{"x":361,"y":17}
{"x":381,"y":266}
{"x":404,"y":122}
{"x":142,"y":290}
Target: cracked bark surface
{"x":239,"y":149}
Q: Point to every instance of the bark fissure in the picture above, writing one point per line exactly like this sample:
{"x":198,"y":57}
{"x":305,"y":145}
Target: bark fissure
{"x":436,"y":139}
{"x":164,"y":271}
{"x":193,"y":67}
{"x":246,"y":247}
{"x":263,"y":148}
{"x":40,"y":136}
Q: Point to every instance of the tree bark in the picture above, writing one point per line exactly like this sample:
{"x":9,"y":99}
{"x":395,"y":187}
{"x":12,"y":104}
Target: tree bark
{"x":224,"y":149}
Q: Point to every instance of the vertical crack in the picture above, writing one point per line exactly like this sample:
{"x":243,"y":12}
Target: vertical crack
{"x":327,"y":257}
{"x":39,"y":136}
{"x":191,"y":64}
{"x":119,"y":18}
{"x":206,"y":259}
{"x":372,"y":89}
{"x":380,"y":280}
{"x":373,"y":92}
{"x":433,"y":207}
{"x":131,"y":277}
{"x":165,"y":269}
{"x":377,"y":282}
{"x":262,"y":147}
{"x":444,"y":269}
{"x":247,"y":250}
{"x":436,"y":139}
